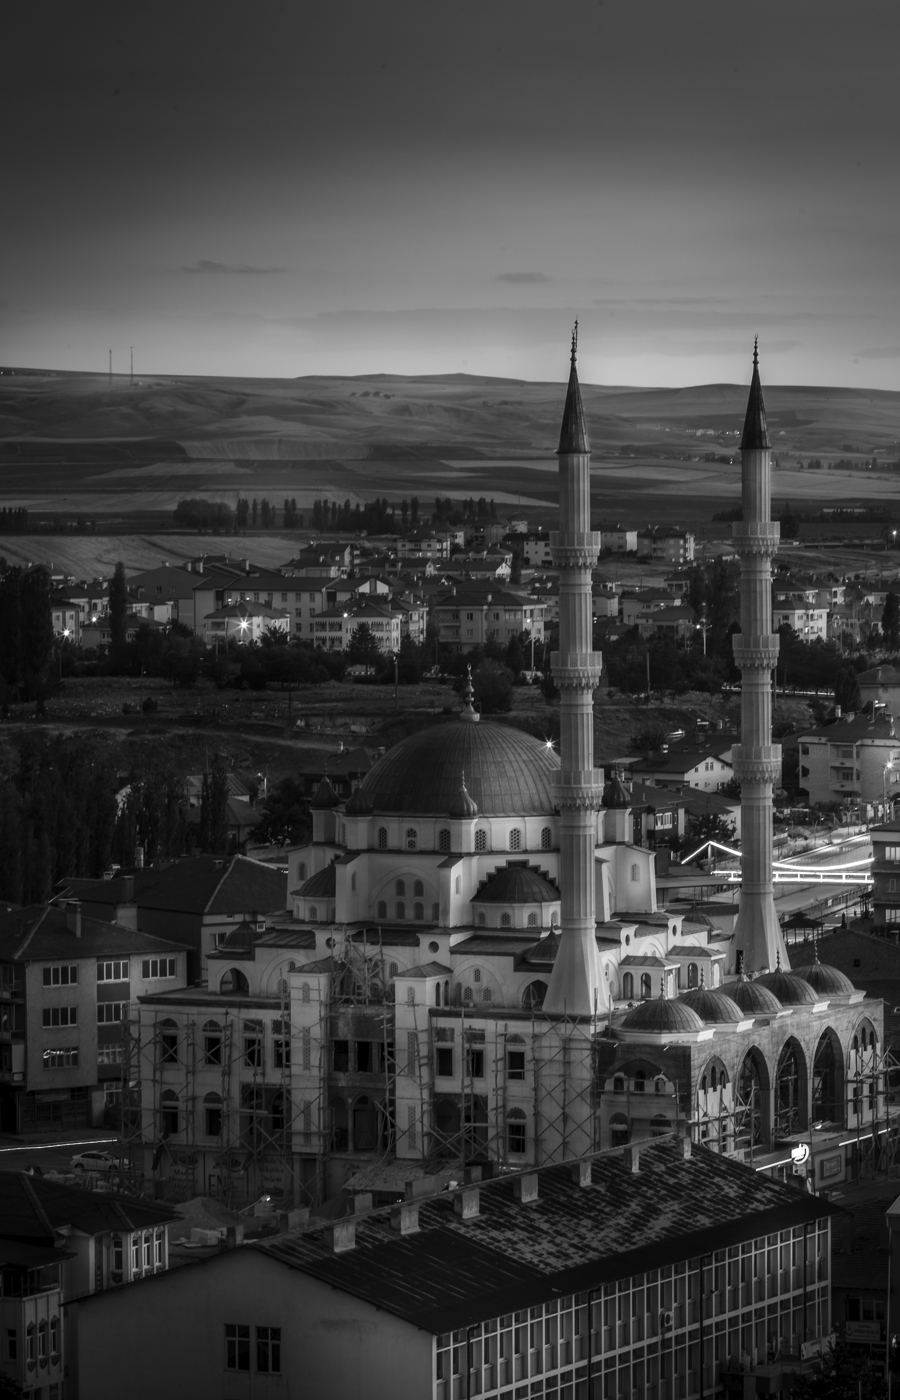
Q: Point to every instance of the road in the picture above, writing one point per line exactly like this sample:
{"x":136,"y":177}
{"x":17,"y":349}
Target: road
{"x":49,"y":1156}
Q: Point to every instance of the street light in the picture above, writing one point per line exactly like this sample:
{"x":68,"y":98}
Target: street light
{"x":884,"y":772}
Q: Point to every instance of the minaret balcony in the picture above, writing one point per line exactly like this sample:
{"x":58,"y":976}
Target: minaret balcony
{"x":578,"y":670}
{"x":756,"y":536}
{"x":575,"y":549}
{"x":756,"y":653}
{"x":579,"y":789}
{"x":757,"y":763}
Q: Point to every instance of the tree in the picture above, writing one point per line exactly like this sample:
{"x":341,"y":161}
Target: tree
{"x":492,"y":683}
{"x":844,"y":1376}
{"x":214,"y":809}
{"x":363,"y":649}
{"x":890,"y":621}
{"x":846,"y":689}
{"x":285,"y":818}
{"x":118,"y":614}
{"x":650,"y":737}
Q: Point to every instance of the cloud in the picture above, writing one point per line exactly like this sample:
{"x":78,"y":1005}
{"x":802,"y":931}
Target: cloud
{"x":241,"y":269}
{"x":528,"y":279}
{"x":880,"y":352}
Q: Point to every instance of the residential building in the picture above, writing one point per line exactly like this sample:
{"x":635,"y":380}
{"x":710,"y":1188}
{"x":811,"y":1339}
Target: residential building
{"x":856,"y":758}
{"x":646,"y":601}
{"x":880,"y":686}
{"x":470,"y":616}
{"x":65,"y":617}
{"x":676,"y":768}
{"x":620,"y":540}
{"x":335,"y":626}
{"x":244,"y":622}
{"x":663,"y":1272}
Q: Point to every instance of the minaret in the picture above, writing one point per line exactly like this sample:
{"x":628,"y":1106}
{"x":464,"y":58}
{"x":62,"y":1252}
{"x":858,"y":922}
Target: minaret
{"x":577,"y":985}
{"x":757,"y":761}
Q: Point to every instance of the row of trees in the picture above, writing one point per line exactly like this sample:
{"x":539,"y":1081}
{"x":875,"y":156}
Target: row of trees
{"x":220,"y":518}
{"x":14,"y":520}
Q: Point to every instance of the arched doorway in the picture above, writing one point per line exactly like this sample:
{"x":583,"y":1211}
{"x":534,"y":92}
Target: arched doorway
{"x":533,"y":996}
{"x":340,"y":1134}
{"x":790,"y":1091}
{"x":827,"y":1085}
{"x":365,"y":1125}
{"x":446,"y":1122}
{"x":619,"y":1130}
{"x":751,"y":1117}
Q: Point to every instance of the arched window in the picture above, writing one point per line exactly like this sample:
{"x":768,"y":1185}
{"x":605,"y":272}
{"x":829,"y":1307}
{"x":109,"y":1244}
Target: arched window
{"x":234,"y":981}
{"x":467,"y":993}
{"x":618,"y":1083}
{"x":619,"y":1131}
{"x":30,"y":1331}
{"x":400,"y":910}
{"x":659,"y":1085}
{"x":482,"y":919}
{"x":353,"y":881}
{"x":418,"y":889}
{"x":487,"y":994}
{"x":476,"y":975}
{"x":554,"y":918}
{"x":168,"y":1113}
{"x":516,"y":1127}
{"x":168,"y":1041}
{"x":412,"y":839}
{"x":381,"y":910}
{"x":640,"y":1080}
{"x":692,"y":974}
{"x":635,"y":873}
{"x":400,"y":887}
{"x":301,"y":870}
{"x":447,"y":993}
{"x":713,"y":1078}
{"x":546,"y":838}
{"x":212,"y":1043}
{"x":506,"y":920}
{"x":532,"y":919}
{"x":410,"y":996}
{"x":419,"y":913}
{"x":304,"y":994}
{"x":533,"y":996}
{"x":515,"y":839}
{"x":457,"y":885}
{"x":646,"y":986}
{"x":54,"y":1337}
{"x":313,"y":913}
{"x":628,"y":986}
{"x":365,"y":1125}
{"x":42,"y":1341}
{"x":444,"y":839}
{"x":435,"y":913}
{"x":393,"y":969}
{"x":212,"y":1114}
{"x":437,"y":994}
{"x":481,"y":839}
{"x":340,"y":1134}
{"x":382,"y":838}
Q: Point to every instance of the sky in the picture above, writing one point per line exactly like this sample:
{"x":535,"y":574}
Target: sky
{"x":331,"y":187}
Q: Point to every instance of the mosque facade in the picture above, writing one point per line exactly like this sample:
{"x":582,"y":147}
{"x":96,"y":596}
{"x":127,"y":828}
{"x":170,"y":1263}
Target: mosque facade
{"x":476,"y":974}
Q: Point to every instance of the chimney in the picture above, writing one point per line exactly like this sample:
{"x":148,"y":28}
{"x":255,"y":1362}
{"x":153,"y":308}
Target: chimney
{"x":127,"y":889}
{"x":631,"y":1160}
{"x":466,"y":1203}
{"x":73,"y":916}
{"x":837,"y":711}
{"x":684,"y":1147}
{"x":362,"y":1201}
{"x":582,"y":1172}
{"x":405,"y":1218}
{"x":526,"y":1188}
{"x":341,"y":1236}
{"x":138,"y":857}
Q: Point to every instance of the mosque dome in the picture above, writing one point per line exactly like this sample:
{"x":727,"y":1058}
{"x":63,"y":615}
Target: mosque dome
{"x":715,"y":1007}
{"x":751,"y":997}
{"x":358,"y":804}
{"x":790,"y":989}
{"x":516,"y":883}
{"x":507,"y":772}
{"x":825,"y":980}
{"x":325,"y":795}
{"x":463,"y":807}
{"x":616,"y":793}
{"x":662,"y":1017}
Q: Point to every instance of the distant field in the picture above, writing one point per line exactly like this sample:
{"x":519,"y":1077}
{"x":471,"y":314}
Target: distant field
{"x":78,"y":444}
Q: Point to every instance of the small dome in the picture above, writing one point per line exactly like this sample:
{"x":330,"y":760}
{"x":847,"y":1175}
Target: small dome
{"x":516,"y":883}
{"x":358,"y":805}
{"x":325,"y":795}
{"x":826,"y":980}
{"x":321,"y":884}
{"x":241,"y":938}
{"x":751,"y":997}
{"x":787,"y":987}
{"x":662,"y":1017}
{"x":616,"y":793}
{"x":463,"y":807}
{"x":715,"y":1007}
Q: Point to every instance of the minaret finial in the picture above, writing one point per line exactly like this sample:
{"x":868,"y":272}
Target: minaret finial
{"x":756,"y":350}
{"x":574,"y":340}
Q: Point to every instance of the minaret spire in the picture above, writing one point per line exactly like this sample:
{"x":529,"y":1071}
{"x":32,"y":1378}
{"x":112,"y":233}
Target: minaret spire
{"x":577,"y":985}
{"x":758,"y":938}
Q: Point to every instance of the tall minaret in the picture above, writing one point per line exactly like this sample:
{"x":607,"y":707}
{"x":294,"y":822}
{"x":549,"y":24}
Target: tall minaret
{"x":577,"y":985}
{"x":757,"y":761}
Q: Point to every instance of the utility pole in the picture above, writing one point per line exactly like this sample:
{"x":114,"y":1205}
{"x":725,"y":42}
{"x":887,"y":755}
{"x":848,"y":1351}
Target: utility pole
{"x":131,"y":348}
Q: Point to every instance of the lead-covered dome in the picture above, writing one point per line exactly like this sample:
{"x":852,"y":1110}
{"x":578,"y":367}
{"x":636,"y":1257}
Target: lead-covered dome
{"x":713,"y":1007}
{"x":790,"y":989}
{"x":507,"y":772}
{"x":828,"y":981}
{"x":752,"y":997}
{"x":662,"y":1017}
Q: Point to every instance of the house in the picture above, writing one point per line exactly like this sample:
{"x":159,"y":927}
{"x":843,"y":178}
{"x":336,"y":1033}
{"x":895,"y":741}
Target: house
{"x":335,"y":627}
{"x":676,"y":768}
{"x":856,"y":758}
{"x":168,"y":583}
{"x":646,"y":601}
{"x":65,"y":981}
{"x":619,"y":540}
{"x":597,"y":1273}
{"x":881,"y":686}
{"x":468,"y":616}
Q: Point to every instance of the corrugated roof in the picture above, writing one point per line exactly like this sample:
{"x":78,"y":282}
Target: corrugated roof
{"x":453,"y":1273}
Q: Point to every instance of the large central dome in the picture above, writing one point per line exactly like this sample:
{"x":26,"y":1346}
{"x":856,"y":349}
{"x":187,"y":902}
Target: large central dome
{"x":507,"y":772}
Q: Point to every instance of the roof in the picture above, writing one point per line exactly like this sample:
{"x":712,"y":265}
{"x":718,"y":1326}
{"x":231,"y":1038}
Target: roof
{"x":517,"y":882}
{"x":880,"y":675}
{"x":40,"y":932}
{"x":210,"y":885}
{"x":755,"y":434}
{"x":850,"y":731}
{"x":322,"y":884}
{"x":32,"y":1209}
{"x":573,"y":433}
{"x":507,"y":772}
{"x":452,"y":1273}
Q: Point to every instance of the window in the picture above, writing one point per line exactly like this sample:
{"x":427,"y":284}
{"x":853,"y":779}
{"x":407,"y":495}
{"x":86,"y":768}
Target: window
{"x":381,"y":911}
{"x":457,"y":885}
{"x":475,"y":1055}
{"x":212,"y":1043}
{"x":212,"y":1109}
{"x":313,"y":915}
{"x":533,"y":996}
{"x":382,"y":838}
{"x":281,"y":1044}
{"x":115,"y":971}
{"x":628,"y":985}
{"x":444,"y":1062}
{"x":168,"y":1042}
{"x":482,"y":919}
{"x":61,"y":1057}
{"x":476,"y":974}
{"x":444,"y":839}
{"x":168,"y":1112}
{"x":12,"y":1344}
{"x":435,"y":913}
{"x":400,"y":911}
{"x":646,"y":986}
{"x":890,"y":853}
{"x":400,"y":888}
{"x":64,"y":976}
{"x":340,"y":1053}
{"x":268,"y":1349}
{"x":301,"y":870}
{"x":546,"y":838}
{"x":481,"y":839}
{"x":152,"y":968}
{"x":515,"y":839}
{"x":110,"y":1011}
{"x":411,"y":838}
{"x":515,"y":1057}
{"x":117,"y":1256}
{"x":418,"y":889}
{"x":532,"y":920}
{"x":234,"y":980}
{"x":515,"y":1131}
{"x":506,"y":920}
{"x":29,"y":1343}
{"x":237,"y":1347}
{"x":419,"y":912}
{"x":635,"y":874}
{"x":60,"y":1016}
{"x":253,"y":1044}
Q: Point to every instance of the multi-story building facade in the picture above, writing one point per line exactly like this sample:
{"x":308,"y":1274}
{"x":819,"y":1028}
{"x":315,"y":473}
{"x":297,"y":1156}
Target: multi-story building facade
{"x":471,"y":616}
{"x":855,"y":759}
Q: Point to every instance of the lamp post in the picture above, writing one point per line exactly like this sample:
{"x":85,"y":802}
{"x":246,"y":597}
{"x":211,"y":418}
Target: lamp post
{"x":884,"y":772}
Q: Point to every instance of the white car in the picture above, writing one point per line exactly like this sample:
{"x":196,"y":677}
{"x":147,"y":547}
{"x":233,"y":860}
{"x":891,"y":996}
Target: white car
{"x":94,"y":1162}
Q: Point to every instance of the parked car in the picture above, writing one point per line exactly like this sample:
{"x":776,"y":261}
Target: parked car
{"x":94,"y":1162}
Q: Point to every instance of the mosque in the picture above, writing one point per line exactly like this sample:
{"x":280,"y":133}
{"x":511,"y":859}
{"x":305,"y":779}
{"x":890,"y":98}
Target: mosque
{"x":477,"y":974}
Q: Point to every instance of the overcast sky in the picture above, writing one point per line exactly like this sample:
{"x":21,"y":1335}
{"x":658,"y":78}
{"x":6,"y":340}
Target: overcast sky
{"x":327,"y":186}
